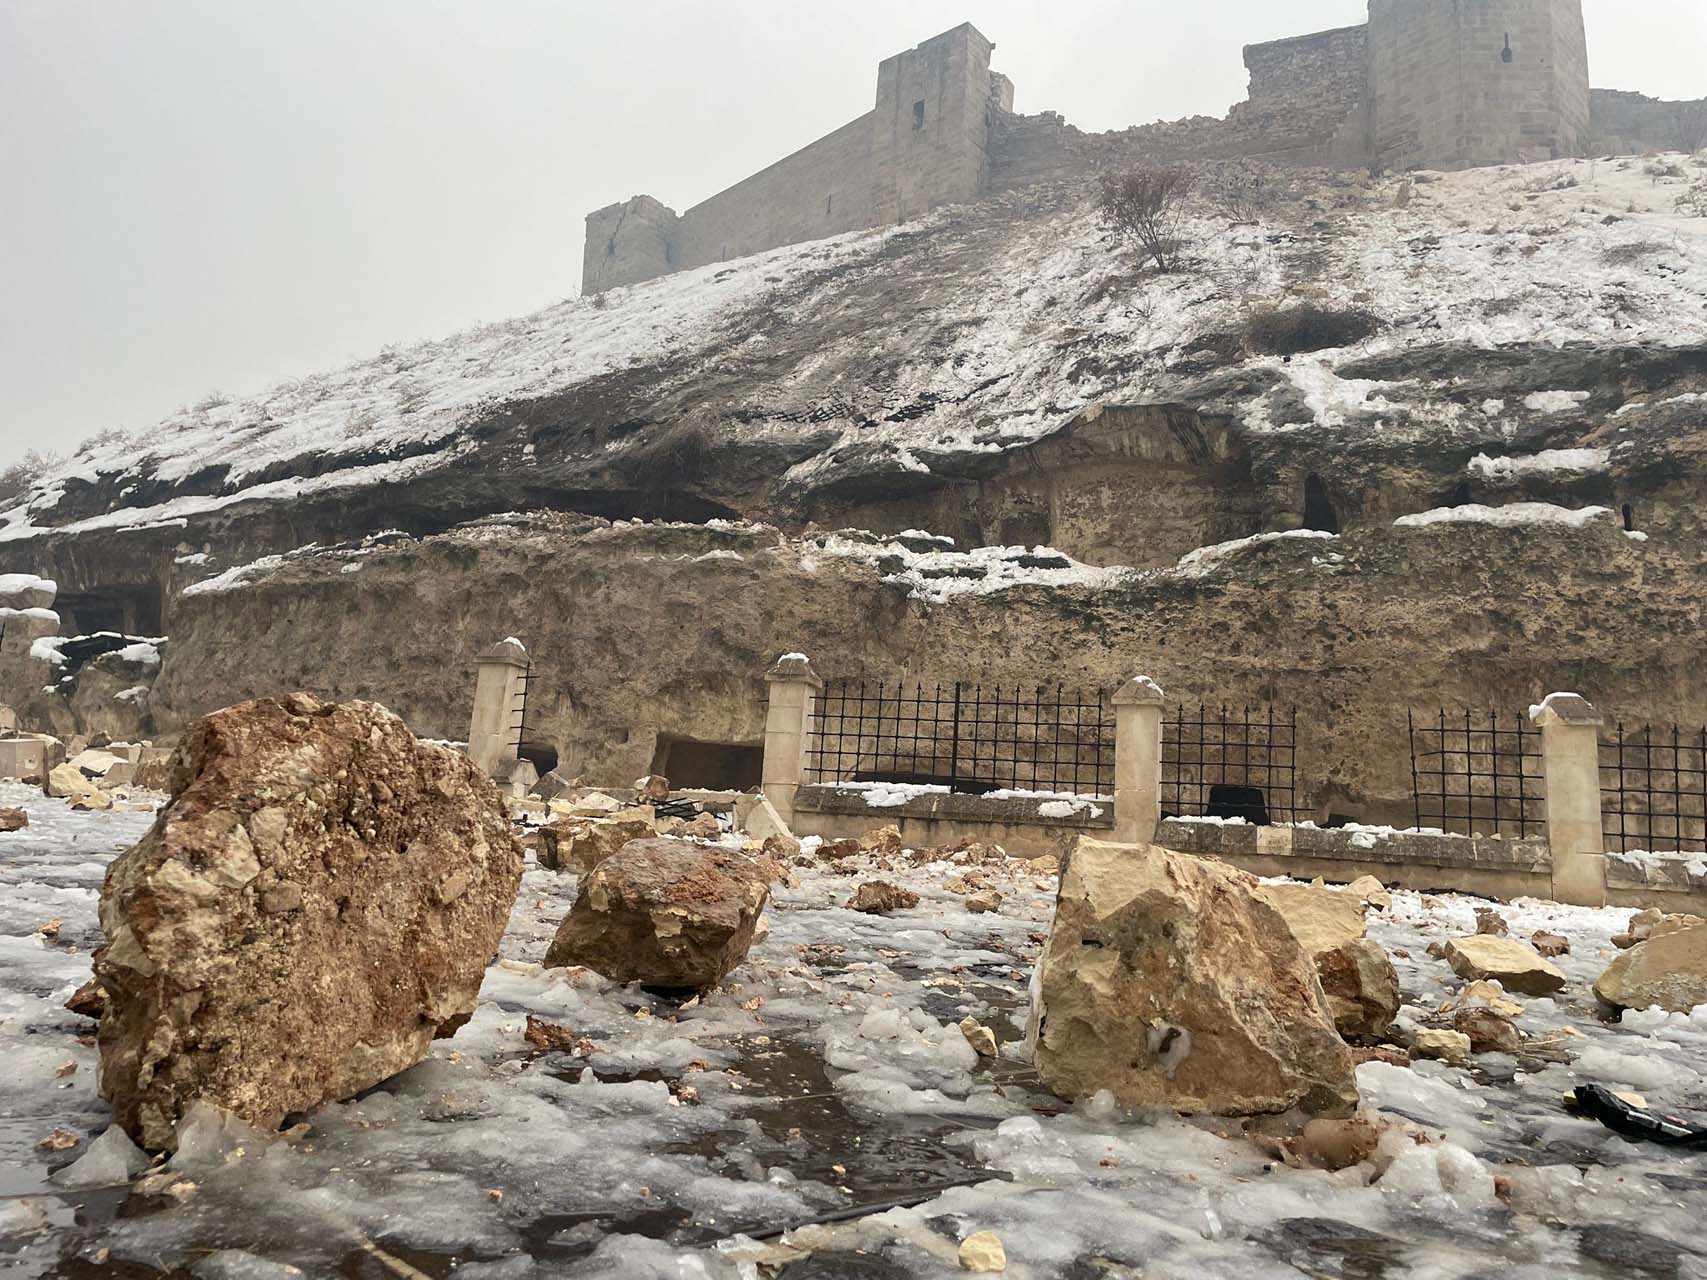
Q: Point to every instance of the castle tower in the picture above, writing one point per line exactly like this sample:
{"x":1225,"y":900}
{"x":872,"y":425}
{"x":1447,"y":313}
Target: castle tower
{"x":930,"y":132}
{"x":1459,"y":83}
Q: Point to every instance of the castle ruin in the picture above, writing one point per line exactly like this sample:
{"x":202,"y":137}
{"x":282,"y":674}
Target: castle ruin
{"x":1440,"y":84}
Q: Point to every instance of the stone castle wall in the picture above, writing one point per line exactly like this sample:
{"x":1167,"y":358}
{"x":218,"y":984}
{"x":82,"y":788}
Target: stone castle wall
{"x":1624,"y":122}
{"x":1424,"y":84}
{"x":1460,"y":83}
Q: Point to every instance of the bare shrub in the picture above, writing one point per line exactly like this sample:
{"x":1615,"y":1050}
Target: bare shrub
{"x":1241,"y":190}
{"x":1291,"y":331}
{"x":17,"y":479}
{"x":1147,"y":207}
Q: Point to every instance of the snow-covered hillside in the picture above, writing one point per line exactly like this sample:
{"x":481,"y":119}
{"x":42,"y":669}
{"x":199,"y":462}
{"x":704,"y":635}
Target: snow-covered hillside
{"x":977,"y":330}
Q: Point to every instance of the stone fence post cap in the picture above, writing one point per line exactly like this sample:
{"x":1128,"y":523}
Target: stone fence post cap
{"x":1565,"y":708}
{"x":794,"y":668}
{"x":1140,"y":691}
{"x":511,"y":651}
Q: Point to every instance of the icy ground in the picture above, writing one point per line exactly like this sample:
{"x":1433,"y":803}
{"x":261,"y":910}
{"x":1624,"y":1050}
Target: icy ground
{"x":827,"y":1081}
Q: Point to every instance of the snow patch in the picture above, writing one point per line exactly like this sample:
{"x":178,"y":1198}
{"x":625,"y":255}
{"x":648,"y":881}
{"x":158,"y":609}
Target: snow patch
{"x":1512,"y":515}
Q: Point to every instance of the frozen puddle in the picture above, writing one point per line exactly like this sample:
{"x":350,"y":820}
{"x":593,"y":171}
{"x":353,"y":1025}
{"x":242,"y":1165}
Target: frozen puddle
{"x":829,"y":1084}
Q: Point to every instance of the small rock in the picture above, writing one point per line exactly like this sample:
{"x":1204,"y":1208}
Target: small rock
{"x":1517,"y":967}
{"x":652,"y":789}
{"x":983,"y":1252}
{"x":580,"y":844}
{"x":1451,"y":1047}
{"x":1048,"y":865}
{"x":13,"y":819}
{"x":1437,"y":950}
{"x":1486,"y":995}
{"x":1651,"y":923}
{"x":985,"y":900}
{"x":1487,"y":1031}
{"x":549,"y":1035}
{"x":1550,"y":945}
{"x":92,"y":801}
{"x":59,"y":1140}
{"x":879,"y":897}
{"x":980,"y":1037}
{"x":1361,"y":985}
{"x":884,"y":842}
{"x":1491,"y":923}
{"x":90,"y":999}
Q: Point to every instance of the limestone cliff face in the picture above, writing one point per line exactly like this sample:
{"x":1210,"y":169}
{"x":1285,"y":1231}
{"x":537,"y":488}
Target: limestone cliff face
{"x":643,"y":631}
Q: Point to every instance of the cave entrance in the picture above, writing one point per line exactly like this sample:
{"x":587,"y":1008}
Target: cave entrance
{"x":1319,"y":513}
{"x":126,"y":608}
{"x":1461,"y":496}
{"x":1629,"y":518}
{"x":1229,"y":801}
{"x":708,"y":766}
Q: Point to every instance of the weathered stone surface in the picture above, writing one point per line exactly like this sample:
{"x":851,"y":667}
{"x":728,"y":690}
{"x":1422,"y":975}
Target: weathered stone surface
{"x":980,"y":1037}
{"x":154,"y":775}
{"x":1668,"y":970}
{"x":665,"y":913}
{"x":1550,"y":945}
{"x":1484,"y":995}
{"x":93,"y":799}
{"x":317,"y":901}
{"x":1491,"y":923}
{"x":580,"y":844}
{"x":13,"y":819}
{"x":1487,"y":1031}
{"x":1651,"y":922}
{"x":1321,"y":919}
{"x":985,"y":900}
{"x":652,"y":789}
{"x":1361,"y":985}
{"x":982,"y":1253}
{"x":1169,"y":981}
{"x":1516,"y":966}
{"x":1447,"y":1046}
{"x":1372,"y":892}
{"x":879,"y":897}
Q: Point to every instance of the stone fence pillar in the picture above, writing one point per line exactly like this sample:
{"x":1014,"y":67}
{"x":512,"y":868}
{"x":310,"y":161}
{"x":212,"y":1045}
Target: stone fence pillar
{"x":793,"y":693}
{"x":1570,"y":759}
{"x":1138,"y":761}
{"x":499,"y":692}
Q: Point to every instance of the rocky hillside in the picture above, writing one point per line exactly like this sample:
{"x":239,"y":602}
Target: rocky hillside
{"x":1428,"y":439}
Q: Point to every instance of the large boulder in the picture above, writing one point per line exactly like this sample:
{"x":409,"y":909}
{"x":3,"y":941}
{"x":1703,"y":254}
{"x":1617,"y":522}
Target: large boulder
{"x":580,"y":844}
{"x":316,"y":902}
{"x":1170,"y":982}
{"x":665,"y":913}
{"x":1668,"y":970}
{"x":1516,"y":966}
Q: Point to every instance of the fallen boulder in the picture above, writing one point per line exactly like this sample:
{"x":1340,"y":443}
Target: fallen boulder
{"x":1372,"y":892}
{"x":13,"y":819}
{"x":1487,"y":1031}
{"x":1452,"y":1047}
{"x":1491,"y":923}
{"x":1549,"y":944}
{"x":68,"y":782}
{"x":1361,"y":985}
{"x":1513,"y":964}
{"x":1170,"y":981}
{"x":665,"y":913}
{"x":879,"y":897}
{"x":318,"y":900}
{"x":1668,"y":970}
{"x":652,"y":789}
{"x":580,"y":844}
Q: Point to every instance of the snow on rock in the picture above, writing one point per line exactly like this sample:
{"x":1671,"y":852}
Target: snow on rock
{"x":1511,"y":516}
{"x":1206,"y":560}
{"x":1554,"y":401}
{"x":941,"y":576}
{"x":1546,"y":463}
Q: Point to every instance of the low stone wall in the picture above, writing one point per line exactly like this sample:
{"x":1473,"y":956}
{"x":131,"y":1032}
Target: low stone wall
{"x":1671,"y":884}
{"x":1492,"y":867}
{"x":934,"y":821}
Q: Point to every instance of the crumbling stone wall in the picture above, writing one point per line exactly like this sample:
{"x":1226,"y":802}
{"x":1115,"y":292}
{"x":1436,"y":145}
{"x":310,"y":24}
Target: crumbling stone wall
{"x":1624,"y":122}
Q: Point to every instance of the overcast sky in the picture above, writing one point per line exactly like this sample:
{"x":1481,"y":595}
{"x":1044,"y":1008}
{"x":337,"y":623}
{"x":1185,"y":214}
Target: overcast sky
{"x":219,"y":194}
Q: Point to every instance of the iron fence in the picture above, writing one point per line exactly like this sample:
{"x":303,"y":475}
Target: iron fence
{"x":1653,"y":789}
{"x":966,"y":737}
{"x":1477,"y":775}
{"x":1231,"y":764}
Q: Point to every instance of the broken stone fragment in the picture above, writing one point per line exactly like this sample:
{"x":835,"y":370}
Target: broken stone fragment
{"x":985,"y":900}
{"x":1651,"y":922}
{"x":1451,"y":1047}
{"x":89,"y":1000}
{"x":1361,"y":985}
{"x":549,"y":1035}
{"x":1321,"y":919}
{"x":982,"y":1252}
{"x":879,"y":897}
{"x":980,"y":1037}
{"x":1491,"y":923}
{"x":1514,"y":965}
{"x":1487,"y":1031}
{"x":1486,"y":995}
{"x":1669,"y":971}
{"x":1371,"y":892}
{"x":580,"y":844}
{"x":883,"y":842}
{"x":665,"y":913}
{"x":1550,"y":945}
{"x":13,"y":819}
{"x":355,"y":951}
{"x":92,"y":800}
{"x":1170,"y":981}
{"x":652,"y":789}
